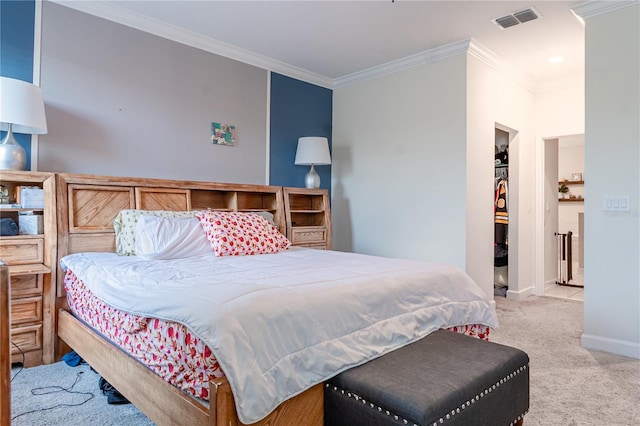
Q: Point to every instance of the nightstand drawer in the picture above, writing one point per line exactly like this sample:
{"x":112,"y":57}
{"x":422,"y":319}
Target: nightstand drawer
{"x":322,"y":246}
{"x":308,"y":235}
{"x":22,"y":251}
{"x":27,"y":310}
{"x":26,"y":285}
{"x":27,"y":338}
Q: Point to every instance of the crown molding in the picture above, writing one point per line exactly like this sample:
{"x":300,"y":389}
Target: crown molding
{"x":598,"y":7}
{"x":425,"y":57}
{"x":470,"y":46}
{"x":487,"y":56}
{"x":559,"y":84}
{"x":119,"y":15}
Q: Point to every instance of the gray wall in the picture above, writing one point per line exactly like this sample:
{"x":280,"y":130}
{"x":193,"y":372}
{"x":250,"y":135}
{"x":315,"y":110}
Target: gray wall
{"x":399,"y":160}
{"x":612,"y":168}
{"x":127,"y":103}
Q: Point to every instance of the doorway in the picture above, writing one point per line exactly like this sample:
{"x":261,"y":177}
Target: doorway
{"x":501,"y":214}
{"x":505,"y":197}
{"x":563,"y":225}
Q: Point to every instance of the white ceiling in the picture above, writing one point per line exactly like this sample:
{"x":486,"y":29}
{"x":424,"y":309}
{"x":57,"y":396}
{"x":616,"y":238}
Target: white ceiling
{"x":331,"y":40}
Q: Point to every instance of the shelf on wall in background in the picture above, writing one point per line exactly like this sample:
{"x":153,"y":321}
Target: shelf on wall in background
{"x":565,"y":200}
{"x":568,"y":183}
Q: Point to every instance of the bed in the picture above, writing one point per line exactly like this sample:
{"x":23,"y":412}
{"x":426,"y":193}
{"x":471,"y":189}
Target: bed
{"x":88,"y":206}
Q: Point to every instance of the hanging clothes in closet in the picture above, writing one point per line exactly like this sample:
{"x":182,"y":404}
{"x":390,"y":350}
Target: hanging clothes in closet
{"x":501,"y":219}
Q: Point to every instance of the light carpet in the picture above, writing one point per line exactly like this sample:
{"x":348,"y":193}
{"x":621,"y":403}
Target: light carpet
{"x":38,"y":397}
{"x":570,"y":385}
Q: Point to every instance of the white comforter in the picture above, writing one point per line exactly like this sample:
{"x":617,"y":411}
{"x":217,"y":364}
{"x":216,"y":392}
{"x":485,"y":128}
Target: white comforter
{"x":281,"y":323}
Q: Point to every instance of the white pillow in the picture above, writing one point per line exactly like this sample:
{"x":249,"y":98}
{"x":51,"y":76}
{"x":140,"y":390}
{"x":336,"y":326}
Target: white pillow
{"x":170,"y":238}
{"x":125,"y":223}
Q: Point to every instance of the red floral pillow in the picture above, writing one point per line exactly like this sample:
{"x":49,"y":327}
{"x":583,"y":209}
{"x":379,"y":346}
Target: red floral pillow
{"x":237,"y":234}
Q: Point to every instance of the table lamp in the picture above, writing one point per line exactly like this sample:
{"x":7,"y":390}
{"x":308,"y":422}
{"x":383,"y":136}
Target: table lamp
{"x":21,"y":111}
{"x":312,"y":150}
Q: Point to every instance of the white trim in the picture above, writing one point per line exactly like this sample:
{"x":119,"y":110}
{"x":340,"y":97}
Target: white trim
{"x":520,"y":294}
{"x":539,"y":236}
{"x":563,"y":83}
{"x":550,"y":284}
{"x":119,"y":15}
{"x":615,"y":346}
{"x":112,"y":12}
{"x":595,"y":7}
{"x":37,"y":49}
{"x":37,"y":42}
{"x":425,"y":57}
{"x":488,"y":57}
{"x":512,"y":132}
{"x":268,"y":135}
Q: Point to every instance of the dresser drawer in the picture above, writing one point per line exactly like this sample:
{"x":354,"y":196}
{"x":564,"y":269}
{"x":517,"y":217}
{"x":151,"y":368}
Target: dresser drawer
{"x":26,"y":285}
{"x":22,"y":251}
{"x":308,"y":235}
{"x":27,"y":338}
{"x":27,"y":310}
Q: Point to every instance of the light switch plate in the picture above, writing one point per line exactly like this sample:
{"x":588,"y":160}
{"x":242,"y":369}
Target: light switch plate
{"x":616,"y":203}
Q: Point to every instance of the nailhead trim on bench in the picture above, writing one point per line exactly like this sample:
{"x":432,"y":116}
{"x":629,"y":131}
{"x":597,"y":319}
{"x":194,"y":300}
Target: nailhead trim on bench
{"x":448,"y":415}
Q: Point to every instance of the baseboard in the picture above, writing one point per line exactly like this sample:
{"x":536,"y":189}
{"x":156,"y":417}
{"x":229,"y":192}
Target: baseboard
{"x":614,"y":346}
{"x":520,"y":294}
{"x":550,"y":283}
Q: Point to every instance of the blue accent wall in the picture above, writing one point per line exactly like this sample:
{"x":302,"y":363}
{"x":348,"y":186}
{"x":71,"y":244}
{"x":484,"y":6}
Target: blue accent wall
{"x":17,"y":29}
{"x":297,"y":109}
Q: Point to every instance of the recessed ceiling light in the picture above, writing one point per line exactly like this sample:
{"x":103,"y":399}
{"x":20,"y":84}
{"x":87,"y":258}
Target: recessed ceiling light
{"x":556,"y":59}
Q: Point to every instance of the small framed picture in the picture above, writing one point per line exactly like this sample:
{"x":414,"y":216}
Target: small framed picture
{"x":223,"y":134}
{"x":576,"y":177}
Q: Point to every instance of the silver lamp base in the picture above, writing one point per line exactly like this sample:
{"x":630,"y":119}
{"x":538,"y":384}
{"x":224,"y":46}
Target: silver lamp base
{"x":312,"y":179}
{"x":12,"y":155}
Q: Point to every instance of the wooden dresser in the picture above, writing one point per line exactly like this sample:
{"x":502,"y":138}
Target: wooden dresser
{"x":32,"y":264}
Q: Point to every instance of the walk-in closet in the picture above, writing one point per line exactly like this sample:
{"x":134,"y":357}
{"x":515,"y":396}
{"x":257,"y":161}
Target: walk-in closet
{"x":501,"y":214}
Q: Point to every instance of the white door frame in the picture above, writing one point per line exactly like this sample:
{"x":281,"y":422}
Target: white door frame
{"x":539,"y":271}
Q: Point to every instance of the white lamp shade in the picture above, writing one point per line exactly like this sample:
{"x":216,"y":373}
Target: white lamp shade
{"x":312,"y":150}
{"x":21,"y":105}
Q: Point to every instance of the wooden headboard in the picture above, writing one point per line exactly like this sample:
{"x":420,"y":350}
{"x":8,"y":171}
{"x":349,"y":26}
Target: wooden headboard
{"x":87,"y":206}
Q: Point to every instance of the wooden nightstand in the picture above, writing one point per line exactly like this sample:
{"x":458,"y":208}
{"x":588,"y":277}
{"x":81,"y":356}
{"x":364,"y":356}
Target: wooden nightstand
{"x":308,"y":217}
{"x":31,"y":260}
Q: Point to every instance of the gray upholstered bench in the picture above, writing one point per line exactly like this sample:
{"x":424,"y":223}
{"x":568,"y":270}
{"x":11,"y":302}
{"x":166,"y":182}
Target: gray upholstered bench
{"x":444,"y":379}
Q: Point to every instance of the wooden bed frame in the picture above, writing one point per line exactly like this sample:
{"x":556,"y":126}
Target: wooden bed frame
{"x":87,"y":206}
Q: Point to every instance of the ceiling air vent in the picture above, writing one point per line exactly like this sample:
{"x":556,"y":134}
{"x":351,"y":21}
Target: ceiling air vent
{"x":526,"y":15}
{"x":519,"y":17}
{"x":507,"y":21}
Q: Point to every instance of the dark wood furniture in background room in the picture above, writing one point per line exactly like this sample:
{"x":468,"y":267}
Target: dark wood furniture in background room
{"x":5,"y":349}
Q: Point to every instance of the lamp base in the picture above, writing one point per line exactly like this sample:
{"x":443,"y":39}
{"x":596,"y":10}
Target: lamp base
{"x":312,"y":179}
{"x":12,"y":155}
